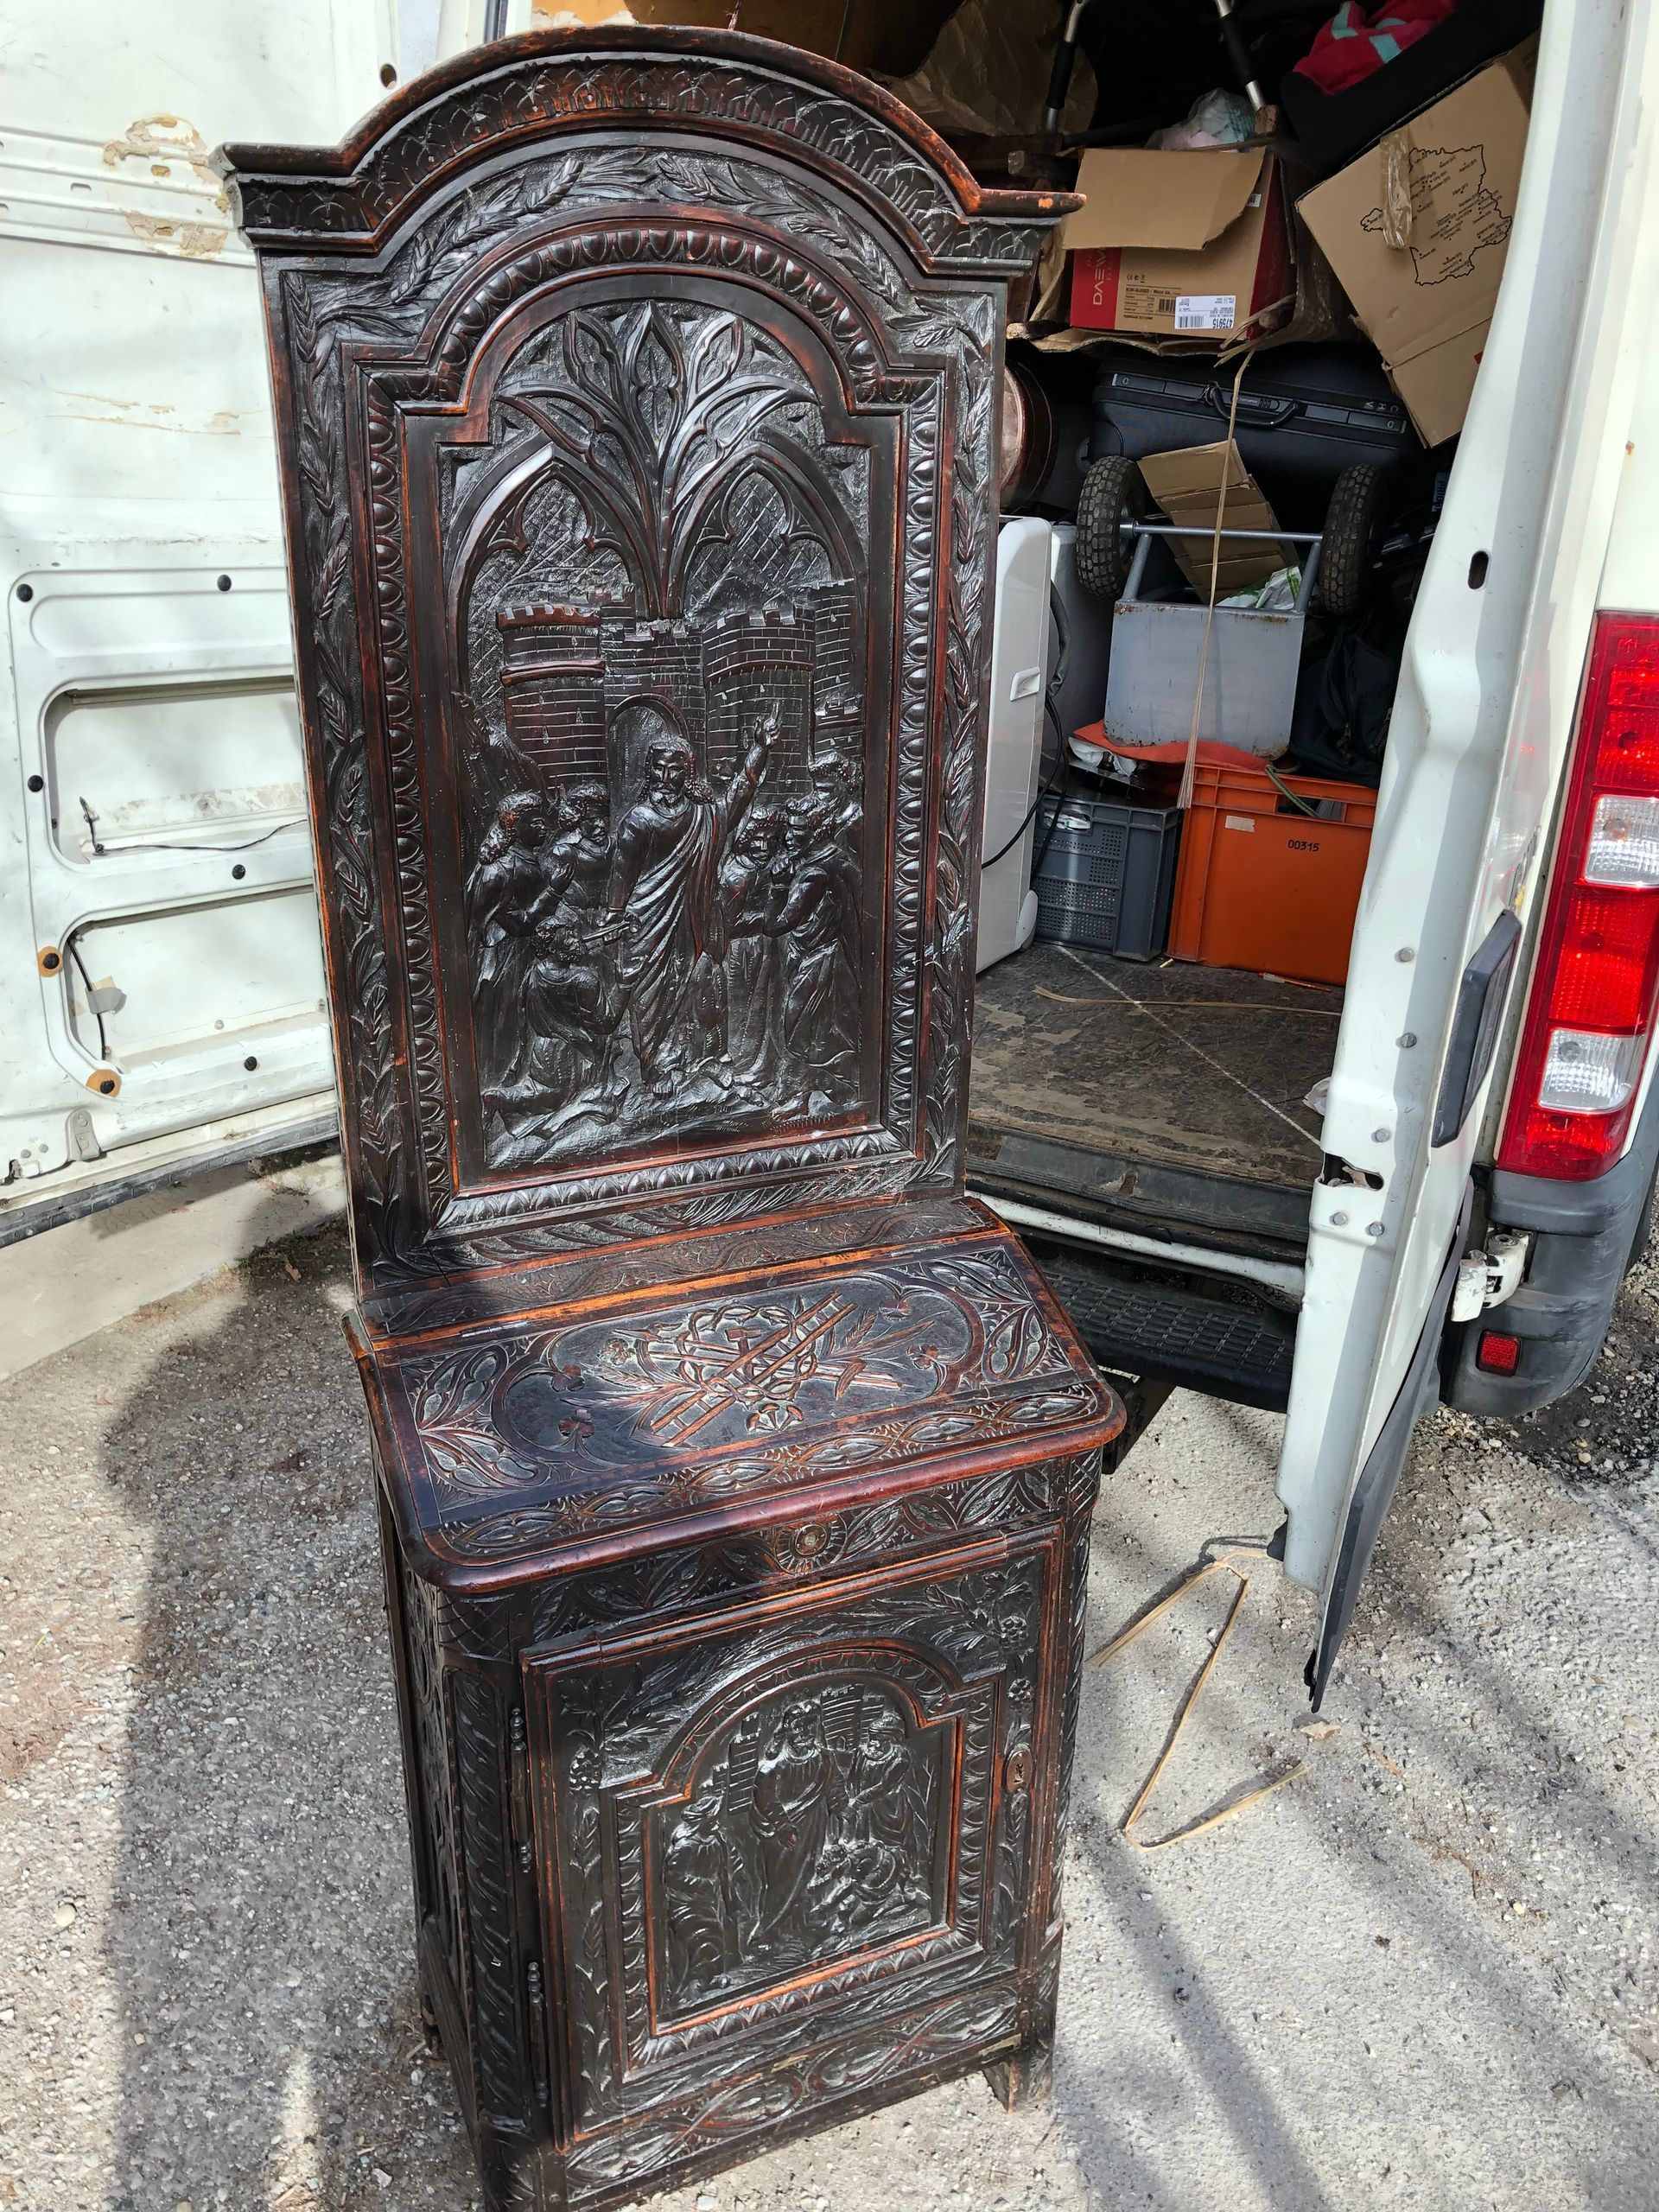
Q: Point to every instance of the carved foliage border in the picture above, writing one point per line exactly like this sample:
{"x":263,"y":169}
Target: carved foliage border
{"x":428,"y":1747}
{"x":319,"y":314}
{"x":654,"y":91}
{"x":676,"y":1578}
{"x":527,"y":1529}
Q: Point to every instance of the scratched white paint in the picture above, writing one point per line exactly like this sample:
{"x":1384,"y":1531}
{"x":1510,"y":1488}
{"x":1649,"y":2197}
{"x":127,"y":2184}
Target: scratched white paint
{"x":137,"y":467}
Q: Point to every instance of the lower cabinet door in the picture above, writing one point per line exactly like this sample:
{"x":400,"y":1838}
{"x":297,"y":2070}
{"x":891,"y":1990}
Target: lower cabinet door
{"x":793,"y":1848}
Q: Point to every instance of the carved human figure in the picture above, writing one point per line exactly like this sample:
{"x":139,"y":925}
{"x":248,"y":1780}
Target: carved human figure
{"x":836,"y":781}
{"x":574,"y":1001}
{"x":818,"y":919}
{"x":794,"y":1787}
{"x":701,"y":1914}
{"x":753,"y":882}
{"x":886,"y":1829}
{"x":665,"y":878}
{"x":577,"y":861}
{"x":505,"y":896}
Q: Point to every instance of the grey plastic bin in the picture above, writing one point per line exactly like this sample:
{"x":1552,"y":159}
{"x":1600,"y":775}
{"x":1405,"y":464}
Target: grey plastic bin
{"x":1250,"y":665}
{"x":1108,"y":875}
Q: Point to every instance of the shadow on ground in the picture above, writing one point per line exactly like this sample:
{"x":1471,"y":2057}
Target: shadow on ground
{"x":261,"y":1943}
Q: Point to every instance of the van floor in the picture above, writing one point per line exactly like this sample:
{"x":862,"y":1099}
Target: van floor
{"x":1161,"y":1090}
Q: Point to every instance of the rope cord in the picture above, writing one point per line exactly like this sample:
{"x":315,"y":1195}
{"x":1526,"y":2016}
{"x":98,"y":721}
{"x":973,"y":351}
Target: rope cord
{"x":1189,"y":770}
{"x":1225,"y":1006}
{"x":1230,"y":1807}
{"x":1301,"y":805}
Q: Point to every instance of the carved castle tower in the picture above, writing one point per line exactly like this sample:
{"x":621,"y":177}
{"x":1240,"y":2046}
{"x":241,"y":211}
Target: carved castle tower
{"x":753,"y":663}
{"x":589,"y":688}
{"x":553,"y":680}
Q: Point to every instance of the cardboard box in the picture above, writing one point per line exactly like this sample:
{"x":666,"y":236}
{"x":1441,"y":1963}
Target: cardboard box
{"x":1186,"y":485}
{"x":1417,"y":230}
{"x":865,"y":36}
{"x":1192,"y":246}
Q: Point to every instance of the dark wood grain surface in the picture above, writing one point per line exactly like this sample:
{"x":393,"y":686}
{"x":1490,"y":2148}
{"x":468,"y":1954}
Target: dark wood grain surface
{"x":636,"y":398}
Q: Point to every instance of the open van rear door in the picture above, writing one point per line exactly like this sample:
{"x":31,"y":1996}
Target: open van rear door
{"x":1481,"y":725}
{"x":160,"y":980}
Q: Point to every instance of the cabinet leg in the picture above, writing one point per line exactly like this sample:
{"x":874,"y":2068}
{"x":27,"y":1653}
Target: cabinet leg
{"x":429,"y":2034}
{"x":1027,"y":2078}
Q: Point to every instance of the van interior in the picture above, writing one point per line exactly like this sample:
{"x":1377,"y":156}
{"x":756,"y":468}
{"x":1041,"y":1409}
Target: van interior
{"x":1172,"y":859}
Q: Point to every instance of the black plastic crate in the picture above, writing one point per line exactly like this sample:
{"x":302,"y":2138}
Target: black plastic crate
{"x":1108,"y":874}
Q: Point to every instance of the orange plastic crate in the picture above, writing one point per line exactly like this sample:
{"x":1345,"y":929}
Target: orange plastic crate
{"x":1261,"y":885}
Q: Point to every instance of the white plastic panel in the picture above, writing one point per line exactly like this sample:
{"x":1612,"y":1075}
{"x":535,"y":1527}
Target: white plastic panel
{"x":263,"y":975}
{"x":1019,"y":644}
{"x":171,"y":765}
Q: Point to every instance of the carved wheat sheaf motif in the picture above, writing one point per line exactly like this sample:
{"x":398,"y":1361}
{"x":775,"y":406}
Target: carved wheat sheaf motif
{"x":700,"y":1399}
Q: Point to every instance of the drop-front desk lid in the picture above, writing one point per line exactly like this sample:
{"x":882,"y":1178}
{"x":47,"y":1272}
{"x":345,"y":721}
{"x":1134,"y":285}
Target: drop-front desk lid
{"x":621,"y":1405}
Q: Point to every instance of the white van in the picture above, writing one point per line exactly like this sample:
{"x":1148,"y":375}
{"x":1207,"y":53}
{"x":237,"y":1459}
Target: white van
{"x":1457,"y":1220}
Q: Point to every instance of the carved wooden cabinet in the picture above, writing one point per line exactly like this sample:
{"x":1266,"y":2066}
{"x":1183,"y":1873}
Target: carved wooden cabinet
{"x":637,"y":408}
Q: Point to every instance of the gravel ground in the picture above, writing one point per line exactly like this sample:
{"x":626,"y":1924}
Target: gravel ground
{"x":1426,"y":1973}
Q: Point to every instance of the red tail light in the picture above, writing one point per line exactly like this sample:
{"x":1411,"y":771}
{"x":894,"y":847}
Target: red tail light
{"x":1595,"y":991}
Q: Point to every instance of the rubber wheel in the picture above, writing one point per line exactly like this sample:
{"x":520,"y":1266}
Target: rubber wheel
{"x":1113,"y":500}
{"x":1353,"y":528}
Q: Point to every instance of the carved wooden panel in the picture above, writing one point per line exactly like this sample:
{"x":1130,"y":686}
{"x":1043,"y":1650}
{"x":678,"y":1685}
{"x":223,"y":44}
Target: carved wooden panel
{"x":870,"y":1707}
{"x":771,"y":1815}
{"x":641,"y":500}
{"x":654,"y":557}
{"x":651,"y":1409}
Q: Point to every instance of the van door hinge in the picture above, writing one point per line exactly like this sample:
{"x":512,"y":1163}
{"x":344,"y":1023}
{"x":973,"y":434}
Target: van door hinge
{"x":1488,"y":1278}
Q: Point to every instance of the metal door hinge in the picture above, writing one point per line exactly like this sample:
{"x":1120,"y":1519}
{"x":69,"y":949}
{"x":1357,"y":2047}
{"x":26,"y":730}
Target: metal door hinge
{"x":1488,"y":1278}
{"x":519,"y":1787}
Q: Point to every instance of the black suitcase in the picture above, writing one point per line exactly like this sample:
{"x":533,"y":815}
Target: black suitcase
{"x":1305,"y":414}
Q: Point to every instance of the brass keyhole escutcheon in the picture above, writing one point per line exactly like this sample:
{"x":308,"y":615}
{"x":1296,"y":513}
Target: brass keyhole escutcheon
{"x":1016,"y":1774}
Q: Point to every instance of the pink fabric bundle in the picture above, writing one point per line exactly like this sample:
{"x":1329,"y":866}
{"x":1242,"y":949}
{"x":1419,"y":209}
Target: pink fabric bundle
{"x":1355,"y":41}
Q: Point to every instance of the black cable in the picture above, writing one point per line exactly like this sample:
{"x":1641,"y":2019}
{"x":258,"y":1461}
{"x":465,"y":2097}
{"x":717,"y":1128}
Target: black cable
{"x":163,"y":845}
{"x":1061,"y":620}
{"x":1046,"y":792}
{"x":1052,"y":713}
{"x":92,"y":1008}
{"x":1025,"y":824}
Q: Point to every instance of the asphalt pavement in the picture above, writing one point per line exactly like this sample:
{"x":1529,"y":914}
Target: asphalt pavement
{"x":1424,"y":1972}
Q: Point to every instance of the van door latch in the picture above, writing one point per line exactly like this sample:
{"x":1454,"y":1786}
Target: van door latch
{"x":1488,"y":1278}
